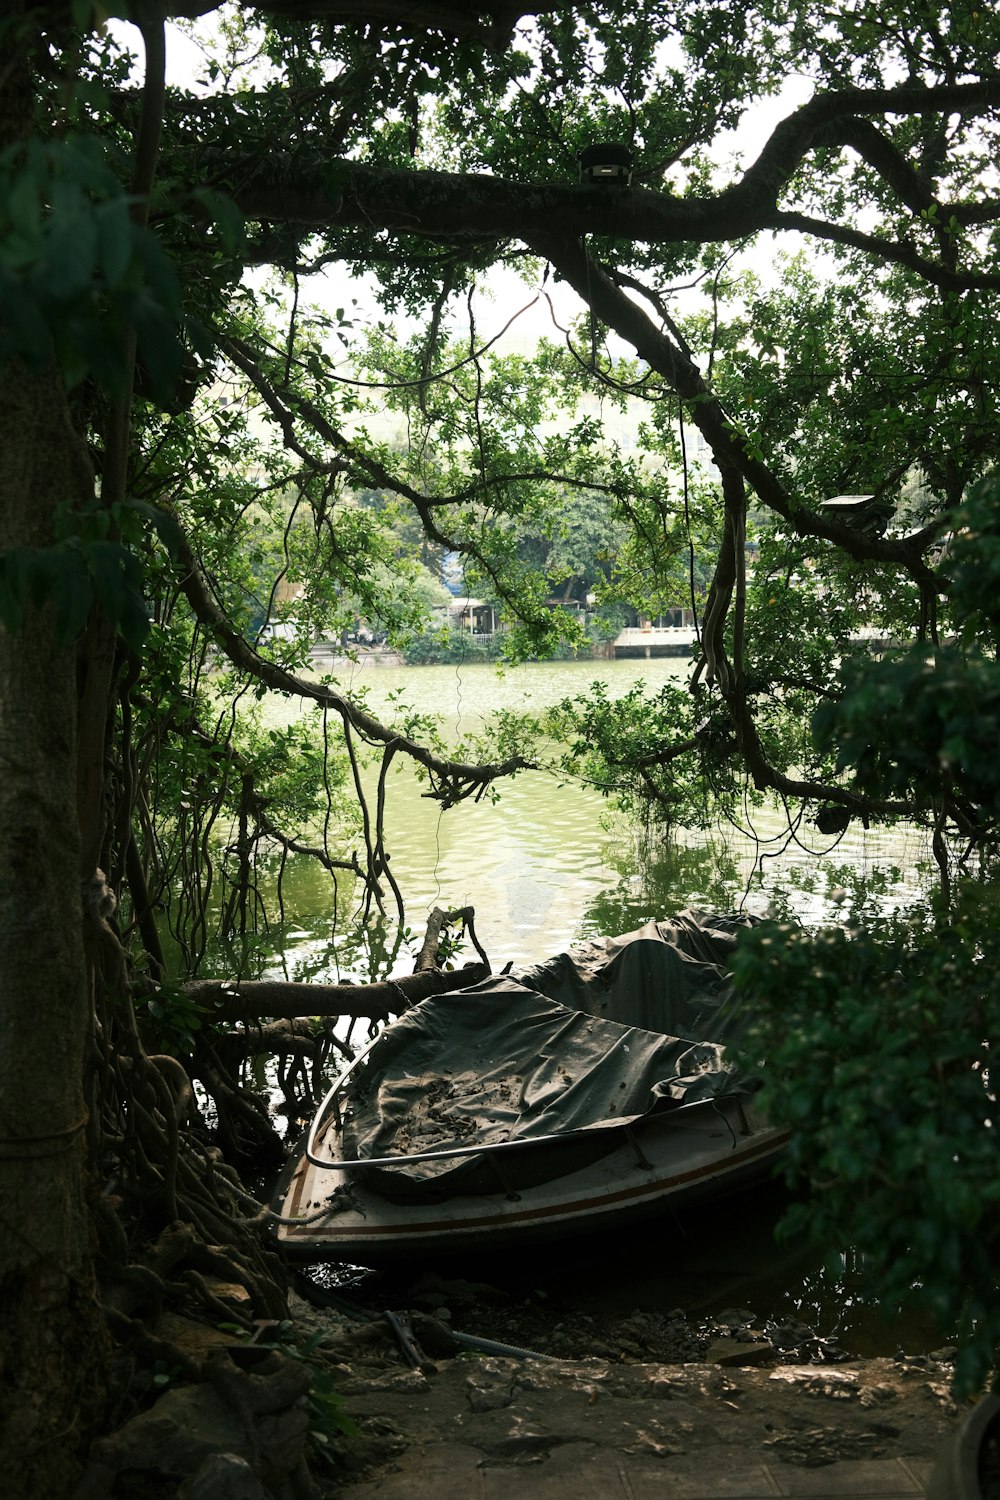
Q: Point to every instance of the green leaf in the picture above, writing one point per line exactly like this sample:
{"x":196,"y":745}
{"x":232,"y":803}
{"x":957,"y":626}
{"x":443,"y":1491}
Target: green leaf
{"x":40,"y":576}
{"x":225,"y":215}
{"x":114,"y":241}
{"x":118,"y":588}
{"x":164,"y":524}
{"x":67,"y":267}
{"x":25,"y":331}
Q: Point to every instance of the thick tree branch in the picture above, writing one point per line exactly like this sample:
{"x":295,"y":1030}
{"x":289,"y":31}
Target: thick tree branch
{"x":251,"y":1000}
{"x":832,"y":118}
{"x":470,"y":207}
{"x":486,"y":21}
{"x":894,"y":252}
{"x":910,"y":185}
{"x":328,"y":195}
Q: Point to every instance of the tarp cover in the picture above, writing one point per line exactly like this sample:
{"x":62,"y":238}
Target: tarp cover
{"x":592,"y":1039}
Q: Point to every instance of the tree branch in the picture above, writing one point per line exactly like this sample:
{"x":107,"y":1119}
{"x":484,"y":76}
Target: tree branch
{"x":488,"y":21}
{"x":328,"y":195}
{"x":280,"y":400}
{"x":451,"y":781}
{"x":896,"y":252}
{"x":251,"y":1000}
{"x":664,"y":355}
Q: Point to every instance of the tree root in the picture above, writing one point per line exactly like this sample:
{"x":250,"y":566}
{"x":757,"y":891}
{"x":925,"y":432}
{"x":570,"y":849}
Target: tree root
{"x":176,"y":1226}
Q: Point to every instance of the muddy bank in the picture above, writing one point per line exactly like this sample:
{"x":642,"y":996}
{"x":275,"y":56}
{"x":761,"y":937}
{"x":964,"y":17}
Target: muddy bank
{"x":658,"y":1393}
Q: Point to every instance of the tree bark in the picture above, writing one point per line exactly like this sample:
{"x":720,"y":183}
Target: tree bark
{"x":52,"y":1338}
{"x":53,"y":1344}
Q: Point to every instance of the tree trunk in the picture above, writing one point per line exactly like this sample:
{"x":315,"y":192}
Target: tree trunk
{"x":52,"y":1339}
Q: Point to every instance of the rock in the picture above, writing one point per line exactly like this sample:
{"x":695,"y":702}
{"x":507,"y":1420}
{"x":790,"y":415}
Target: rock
{"x":193,"y":1339}
{"x":836,"y":1384}
{"x":488,"y":1392}
{"x":408,"y":1382}
{"x":258,"y":1419}
{"x":735,"y":1317}
{"x":434,"y":1336}
{"x":224,"y":1476}
{"x":654,"y":1444}
{"x":270,"y":1385}
{"x":432,"y":1291}
{"x":688,"y":1383}
{"x":876,"y":1395}
{"x":186,"y":1426}
{"x":733,"y":1352}
{"x":97,"y":1482}
{"x":281,"y":1439}
{"x":524,"y":1443}
{"x":231,"y":1293}
{"x":819,"y":1446}
{"x":577,"y":1417}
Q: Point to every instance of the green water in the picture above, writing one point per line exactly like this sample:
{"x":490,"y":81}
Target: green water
{"x":550,"y":861}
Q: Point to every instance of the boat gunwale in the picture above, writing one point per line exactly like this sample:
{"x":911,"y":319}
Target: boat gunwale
{"x":339,"y":1239}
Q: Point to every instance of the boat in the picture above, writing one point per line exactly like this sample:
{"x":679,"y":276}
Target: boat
{"x":578,"y":1095}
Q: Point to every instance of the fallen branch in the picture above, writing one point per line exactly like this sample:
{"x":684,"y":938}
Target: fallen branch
{"x":252,"y":1000}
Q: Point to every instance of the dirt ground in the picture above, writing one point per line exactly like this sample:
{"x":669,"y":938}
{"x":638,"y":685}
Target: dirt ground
{"x":656,"y":1387}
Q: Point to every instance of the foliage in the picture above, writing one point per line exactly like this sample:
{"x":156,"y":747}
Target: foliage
{"x":446,"y":645}
{"x":878,"y":1041}
{"x":649,"y":752}
{"x":972,"y":563}
{"x":950,"y":704}
{"x":172,"y":1021}
{"x":77,"y":273}
{"x":317,"y":484}
{"x":879,"y":1035}
{"x":946,"y":695}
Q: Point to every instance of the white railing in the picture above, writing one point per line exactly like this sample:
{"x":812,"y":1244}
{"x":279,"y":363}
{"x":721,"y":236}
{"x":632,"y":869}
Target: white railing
{"x":637,"y":635}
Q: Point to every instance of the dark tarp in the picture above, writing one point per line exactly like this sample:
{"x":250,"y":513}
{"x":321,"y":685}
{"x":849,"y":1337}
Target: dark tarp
{"x":666,"y":976}
{"x":589,"y":1040}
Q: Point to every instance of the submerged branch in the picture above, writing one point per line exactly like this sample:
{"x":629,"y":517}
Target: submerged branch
{"x":438,"y":920}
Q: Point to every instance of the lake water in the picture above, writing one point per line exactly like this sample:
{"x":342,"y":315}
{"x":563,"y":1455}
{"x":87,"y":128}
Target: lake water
{"x":551,"y":862}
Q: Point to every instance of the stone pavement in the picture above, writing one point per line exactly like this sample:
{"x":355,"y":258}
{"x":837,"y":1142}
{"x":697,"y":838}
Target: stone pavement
{"x":496,"y":1429}
{"x":453,"y":1472}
